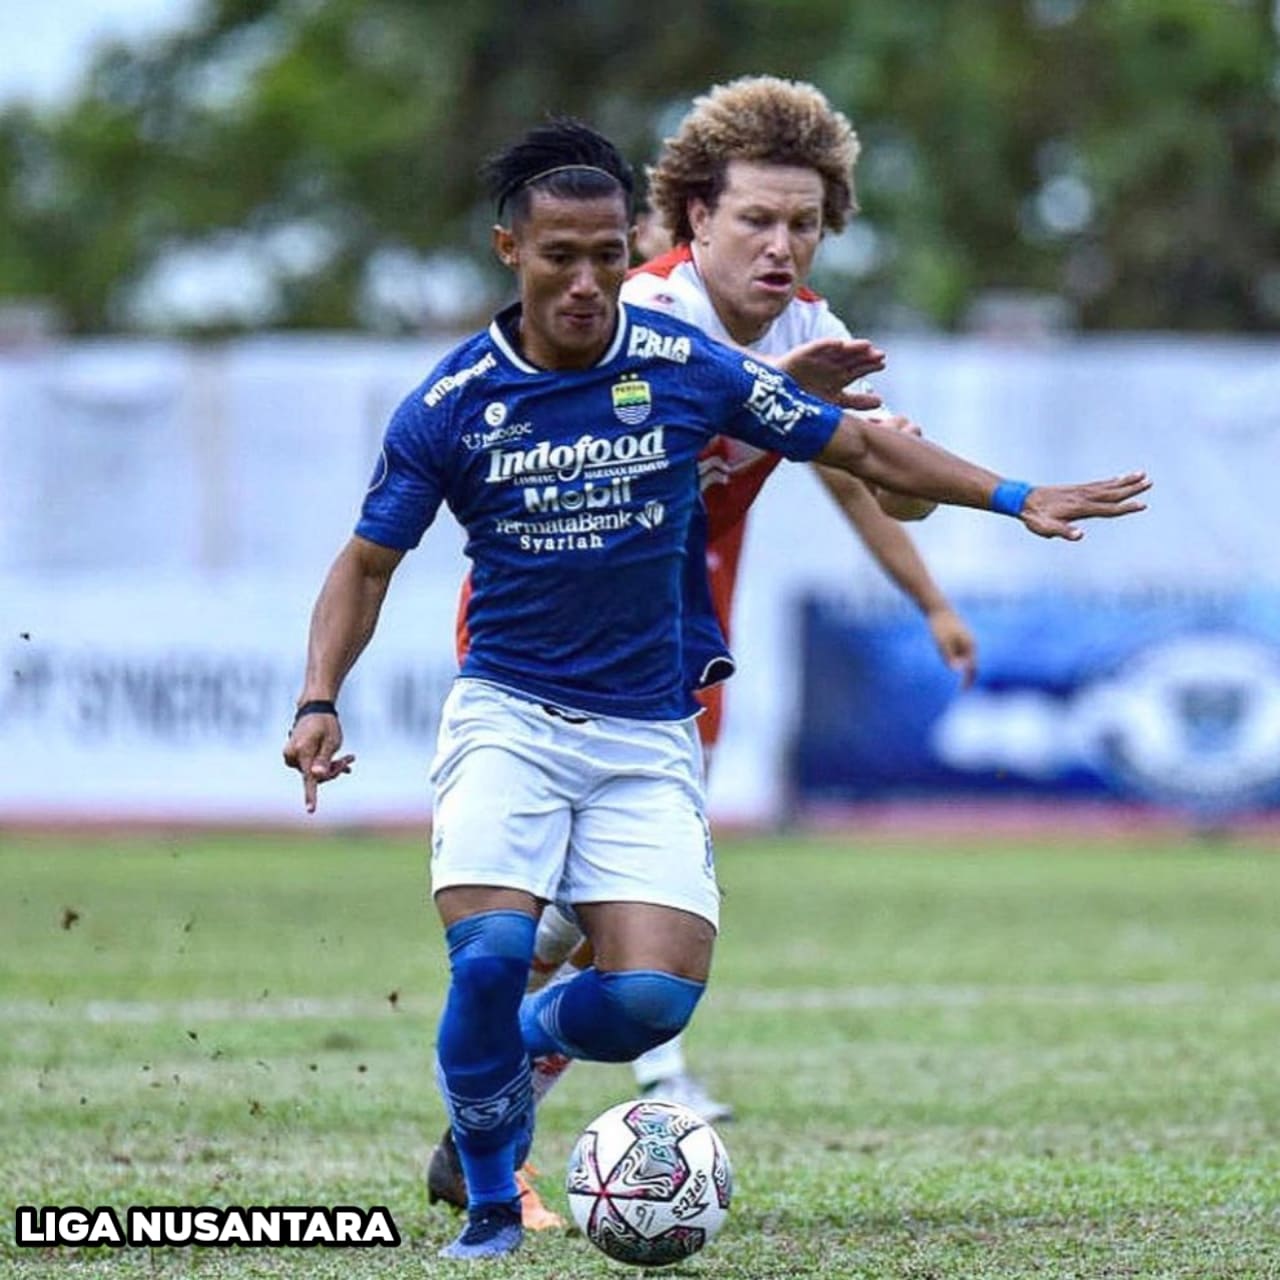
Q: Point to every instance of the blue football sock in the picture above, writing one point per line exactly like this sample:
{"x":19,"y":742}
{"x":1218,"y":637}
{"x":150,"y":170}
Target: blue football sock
{"x":482,"y":1064}
{"x":608,"y":1017}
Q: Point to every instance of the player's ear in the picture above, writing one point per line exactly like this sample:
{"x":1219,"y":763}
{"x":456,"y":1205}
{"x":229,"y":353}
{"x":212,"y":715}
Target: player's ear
{"x":504,"y":246}
{"x":699,"y":216}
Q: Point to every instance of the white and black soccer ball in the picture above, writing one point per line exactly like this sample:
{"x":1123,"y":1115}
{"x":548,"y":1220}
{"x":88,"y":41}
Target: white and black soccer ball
{"x":649,"y":1182}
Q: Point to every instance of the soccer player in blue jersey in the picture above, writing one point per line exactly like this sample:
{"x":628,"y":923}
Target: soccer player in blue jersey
{"x":565,"y":440}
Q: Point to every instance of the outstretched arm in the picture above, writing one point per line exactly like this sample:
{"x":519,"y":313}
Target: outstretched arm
{"x":884,"y":456}
{"x":342,"y":622}
{"x":896,"y":554}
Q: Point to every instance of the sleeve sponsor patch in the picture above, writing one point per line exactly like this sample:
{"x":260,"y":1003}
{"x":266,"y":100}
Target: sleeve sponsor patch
{"x":773,"y":402}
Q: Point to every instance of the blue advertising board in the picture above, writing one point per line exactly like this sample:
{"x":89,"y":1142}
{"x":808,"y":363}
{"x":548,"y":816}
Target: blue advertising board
{"x":1173,"y":700}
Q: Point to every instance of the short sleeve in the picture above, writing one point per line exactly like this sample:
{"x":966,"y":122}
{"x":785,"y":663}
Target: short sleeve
{"x":409,"y":477}
{"x":767,"y":409}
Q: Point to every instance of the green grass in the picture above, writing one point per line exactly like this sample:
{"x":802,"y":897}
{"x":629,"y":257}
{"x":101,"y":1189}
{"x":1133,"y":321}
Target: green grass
{"x":948,"y":1062}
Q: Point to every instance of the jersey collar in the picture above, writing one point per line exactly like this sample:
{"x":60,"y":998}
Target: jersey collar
{"x":504,"y":326}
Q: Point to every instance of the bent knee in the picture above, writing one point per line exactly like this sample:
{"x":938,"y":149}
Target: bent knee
{"x":649,"y":1007}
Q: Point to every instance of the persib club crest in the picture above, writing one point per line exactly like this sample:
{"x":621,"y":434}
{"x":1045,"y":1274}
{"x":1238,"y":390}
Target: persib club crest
{"x":632,"y":401}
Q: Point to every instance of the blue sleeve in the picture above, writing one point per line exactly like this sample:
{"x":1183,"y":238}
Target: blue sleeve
{"x":769,"y":410}
{"x":409,"y":478}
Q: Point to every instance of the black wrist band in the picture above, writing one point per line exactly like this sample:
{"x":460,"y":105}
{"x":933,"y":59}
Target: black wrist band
{"x":316,"y":707}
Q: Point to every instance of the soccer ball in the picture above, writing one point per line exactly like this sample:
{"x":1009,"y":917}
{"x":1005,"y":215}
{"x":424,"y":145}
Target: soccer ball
{"x":649,"y":1182}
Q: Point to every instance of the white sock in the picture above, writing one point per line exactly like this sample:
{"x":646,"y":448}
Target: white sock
{"x":549,"y":1069}
{"x":662,"y":1063}
{"x":556,"y":937}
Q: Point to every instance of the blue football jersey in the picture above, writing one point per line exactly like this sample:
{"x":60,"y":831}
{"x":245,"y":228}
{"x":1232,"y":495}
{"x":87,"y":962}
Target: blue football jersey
{"x":577,"y":489}
{"x":707,"y":659}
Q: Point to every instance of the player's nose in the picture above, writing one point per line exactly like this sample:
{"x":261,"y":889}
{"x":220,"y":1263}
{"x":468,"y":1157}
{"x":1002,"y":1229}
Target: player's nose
{"x":778,"y":245}
{"x":584,"y":282}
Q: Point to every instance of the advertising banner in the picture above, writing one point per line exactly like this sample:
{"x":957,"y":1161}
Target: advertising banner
{"x":1155,"y":698}
{"x":171,"y":701}
{"x":168,"y":511}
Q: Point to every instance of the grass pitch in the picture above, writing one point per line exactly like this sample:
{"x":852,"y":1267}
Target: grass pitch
{"x":948,"y":1062}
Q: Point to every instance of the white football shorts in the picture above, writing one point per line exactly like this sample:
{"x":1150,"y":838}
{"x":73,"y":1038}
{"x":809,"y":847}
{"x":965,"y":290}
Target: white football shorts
{"x":569,"y":807}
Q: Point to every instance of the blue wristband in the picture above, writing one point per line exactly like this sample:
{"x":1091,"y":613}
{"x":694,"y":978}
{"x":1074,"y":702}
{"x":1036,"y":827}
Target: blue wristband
{"x":1010,"y":497}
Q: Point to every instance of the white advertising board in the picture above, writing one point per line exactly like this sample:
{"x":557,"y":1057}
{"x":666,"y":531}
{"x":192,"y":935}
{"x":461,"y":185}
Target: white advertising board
{"x":167,"y":513}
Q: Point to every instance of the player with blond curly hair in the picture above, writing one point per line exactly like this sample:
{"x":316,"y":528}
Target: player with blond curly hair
{"x":757,"y":172}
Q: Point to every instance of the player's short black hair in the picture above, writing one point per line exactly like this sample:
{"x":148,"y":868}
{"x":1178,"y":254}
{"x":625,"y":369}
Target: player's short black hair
{"x":563,"y":157}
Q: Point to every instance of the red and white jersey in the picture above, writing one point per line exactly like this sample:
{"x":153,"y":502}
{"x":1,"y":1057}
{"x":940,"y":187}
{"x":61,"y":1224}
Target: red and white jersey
{"x":731,"y":472}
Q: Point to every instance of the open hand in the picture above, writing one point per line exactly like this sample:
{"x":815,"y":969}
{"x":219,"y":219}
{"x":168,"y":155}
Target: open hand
{"x":825,"y":367}
{"x":1051,"y":508}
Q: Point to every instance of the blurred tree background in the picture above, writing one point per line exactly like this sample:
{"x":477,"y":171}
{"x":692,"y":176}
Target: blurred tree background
{"x":312,"y":163}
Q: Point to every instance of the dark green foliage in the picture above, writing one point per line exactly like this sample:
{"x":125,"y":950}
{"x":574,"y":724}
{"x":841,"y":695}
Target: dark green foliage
{"x":1124,"y":155}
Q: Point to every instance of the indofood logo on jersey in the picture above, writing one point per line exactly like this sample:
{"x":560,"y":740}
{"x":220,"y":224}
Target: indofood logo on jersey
{"x":643,"y":452}
{"x":632,"y":401}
